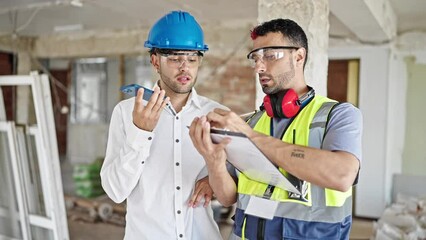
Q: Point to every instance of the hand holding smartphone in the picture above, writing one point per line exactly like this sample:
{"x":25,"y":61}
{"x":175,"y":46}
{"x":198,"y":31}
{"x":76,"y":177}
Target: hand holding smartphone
{"x":132,"y":90}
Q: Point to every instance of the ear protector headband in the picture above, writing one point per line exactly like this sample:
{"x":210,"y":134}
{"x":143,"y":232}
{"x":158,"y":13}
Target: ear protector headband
{"x":286,"y":103}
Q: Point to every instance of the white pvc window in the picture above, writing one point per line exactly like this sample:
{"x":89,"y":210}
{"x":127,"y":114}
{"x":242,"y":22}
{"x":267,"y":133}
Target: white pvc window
{"x":13,"y":224}
{"x":33,"y":207}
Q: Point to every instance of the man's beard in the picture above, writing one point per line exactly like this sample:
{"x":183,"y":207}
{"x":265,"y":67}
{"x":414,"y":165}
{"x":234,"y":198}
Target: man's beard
{"x":176,"y":87}
{"x":282,"y":81}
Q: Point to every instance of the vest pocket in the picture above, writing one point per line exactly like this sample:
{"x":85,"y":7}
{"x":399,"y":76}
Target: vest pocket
{"x":296,"y":229}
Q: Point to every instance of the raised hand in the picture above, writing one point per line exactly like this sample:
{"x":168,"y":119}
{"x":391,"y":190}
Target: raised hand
{"x":146,"y":117}
{"x":229,"y":120}
{"x":213,"y":154}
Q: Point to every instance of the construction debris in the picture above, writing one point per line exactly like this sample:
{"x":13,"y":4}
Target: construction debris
{"x":405,"y":219}
{"x":95,"y":210}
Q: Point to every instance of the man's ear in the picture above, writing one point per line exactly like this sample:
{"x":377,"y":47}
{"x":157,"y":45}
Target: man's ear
{"x":155,"y":61}
{"x":300,"y":56}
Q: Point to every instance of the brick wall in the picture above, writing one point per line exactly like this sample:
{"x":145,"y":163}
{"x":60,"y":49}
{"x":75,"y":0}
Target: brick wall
{"x":232,"y":83}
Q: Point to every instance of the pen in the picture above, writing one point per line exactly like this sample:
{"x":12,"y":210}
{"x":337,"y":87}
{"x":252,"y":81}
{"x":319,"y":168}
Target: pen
{"x":244,"y":115}
{"x":213,"y":128}
{"x":294,"y":136}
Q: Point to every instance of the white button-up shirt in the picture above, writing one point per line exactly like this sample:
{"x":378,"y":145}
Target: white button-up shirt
{"x":156,"y":172}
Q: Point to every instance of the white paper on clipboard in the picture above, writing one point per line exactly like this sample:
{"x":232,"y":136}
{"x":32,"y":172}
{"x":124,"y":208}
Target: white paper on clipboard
{"x":244,"y":155}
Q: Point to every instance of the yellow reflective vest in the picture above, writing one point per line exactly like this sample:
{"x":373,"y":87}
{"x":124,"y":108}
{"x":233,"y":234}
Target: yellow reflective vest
{"x":315,"y":203}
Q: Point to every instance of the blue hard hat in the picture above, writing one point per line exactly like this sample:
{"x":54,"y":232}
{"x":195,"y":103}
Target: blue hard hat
{"x":176,"y":30}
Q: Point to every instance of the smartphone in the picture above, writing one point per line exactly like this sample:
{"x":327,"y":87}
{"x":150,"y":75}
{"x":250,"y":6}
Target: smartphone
{"x":132,"y":90}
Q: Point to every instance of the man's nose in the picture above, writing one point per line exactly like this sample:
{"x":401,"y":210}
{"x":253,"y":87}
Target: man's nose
{"x":260,"y":67}
{"x":183,"y":64}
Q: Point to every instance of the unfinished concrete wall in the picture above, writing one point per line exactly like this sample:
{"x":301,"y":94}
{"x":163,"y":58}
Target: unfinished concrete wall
{"x":411,"y":48}
{"x":90,"y":44}
{"x":414,"y":154}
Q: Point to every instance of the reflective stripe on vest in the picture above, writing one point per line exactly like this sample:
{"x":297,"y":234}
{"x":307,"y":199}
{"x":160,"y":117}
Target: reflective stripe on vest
{"x":316,"y":204}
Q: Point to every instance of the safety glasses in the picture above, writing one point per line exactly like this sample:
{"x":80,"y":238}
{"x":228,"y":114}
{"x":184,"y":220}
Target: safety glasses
{"x":267,"y":54}
{"x":176,"y":59}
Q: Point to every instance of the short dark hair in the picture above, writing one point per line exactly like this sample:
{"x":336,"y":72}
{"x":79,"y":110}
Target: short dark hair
{"x":288,"y":28}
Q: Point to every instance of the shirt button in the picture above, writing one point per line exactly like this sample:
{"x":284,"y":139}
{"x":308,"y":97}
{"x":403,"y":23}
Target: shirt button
{"x":149,"y":138}
{"x":177,"y":164}
{"x":181,"y":235}
{"x":177,"y":140}
{"x":177,"y":118}
{"x":178,"y":211}
{"x":143,"y":162}
{"x":178,"y":188}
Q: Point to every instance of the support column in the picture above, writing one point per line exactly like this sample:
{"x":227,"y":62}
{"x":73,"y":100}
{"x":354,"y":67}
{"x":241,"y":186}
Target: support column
{"x":312,"y":16}
{"x":26,"y":112}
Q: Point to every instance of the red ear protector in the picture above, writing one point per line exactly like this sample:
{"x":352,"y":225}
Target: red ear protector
{"x":285,"y":104}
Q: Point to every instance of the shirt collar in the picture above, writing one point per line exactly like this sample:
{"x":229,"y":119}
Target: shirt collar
{"x":193,"y":97}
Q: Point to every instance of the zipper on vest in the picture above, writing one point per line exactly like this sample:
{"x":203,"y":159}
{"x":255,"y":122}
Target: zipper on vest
{"x":260,"y":229}
{"x":260,"y":235}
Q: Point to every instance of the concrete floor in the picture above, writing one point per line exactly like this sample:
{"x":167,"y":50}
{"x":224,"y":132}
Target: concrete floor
{"x":361,"y":230}
{"x":102,"y":231}
{"x":94,"y":231}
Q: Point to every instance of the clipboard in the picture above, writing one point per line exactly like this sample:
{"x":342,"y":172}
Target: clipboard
{"x":245,"y":156}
